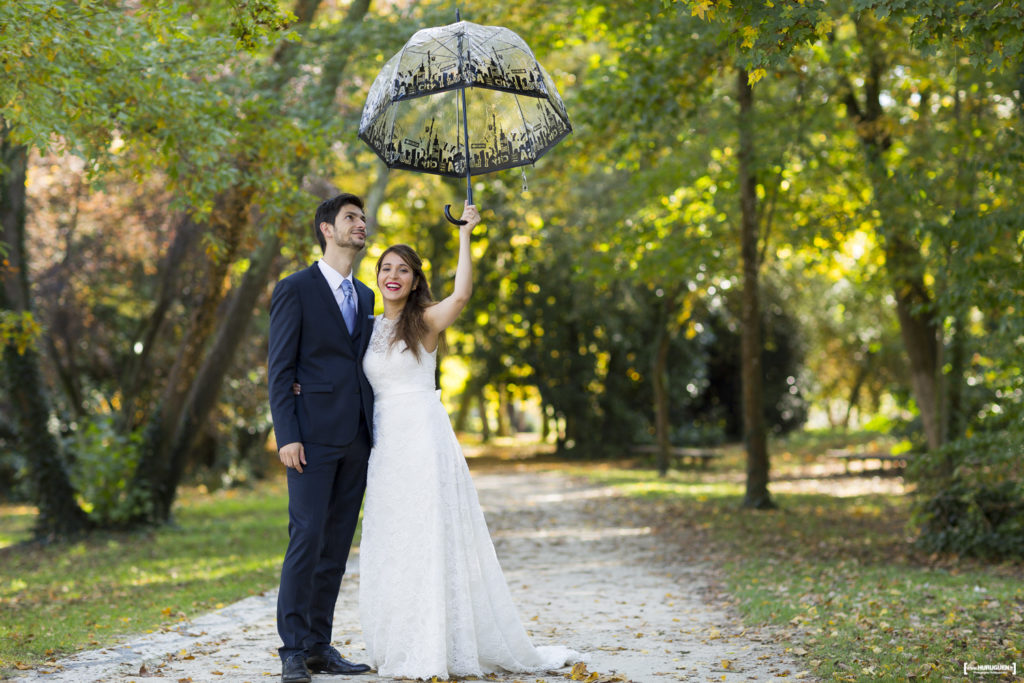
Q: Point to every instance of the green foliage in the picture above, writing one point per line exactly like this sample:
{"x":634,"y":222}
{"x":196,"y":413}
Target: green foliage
{"x":851,"y":599}
{"x":13,"y":473}
{"x":19,"y":329}
{"x":984,"y":520}
{"x":766,"y":33}
{"x":971,"y":494}
{"x":626,"y":235}
{"x":256,"y":21}
{"x":61,"y":597}
{"x":105,"y":459}
{"x":156,"y":88}
{"x":717,"y":400}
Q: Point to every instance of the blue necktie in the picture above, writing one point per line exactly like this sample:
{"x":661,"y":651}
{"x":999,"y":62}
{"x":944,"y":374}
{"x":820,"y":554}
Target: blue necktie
{"x":348,"y":305}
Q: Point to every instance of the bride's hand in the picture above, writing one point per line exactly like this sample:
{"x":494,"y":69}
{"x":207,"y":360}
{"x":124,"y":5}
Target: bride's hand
{"x":471,"y":215}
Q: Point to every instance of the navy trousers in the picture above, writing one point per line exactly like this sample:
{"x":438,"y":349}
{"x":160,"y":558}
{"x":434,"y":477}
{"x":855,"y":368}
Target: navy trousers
{"x":323,"y":510}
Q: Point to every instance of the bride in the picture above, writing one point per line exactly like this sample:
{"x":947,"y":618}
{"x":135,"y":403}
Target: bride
{"x":432,"y":598}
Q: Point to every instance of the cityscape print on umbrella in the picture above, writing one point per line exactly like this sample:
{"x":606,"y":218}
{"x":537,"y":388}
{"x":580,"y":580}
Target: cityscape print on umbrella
{"x":495,"y":150}
{"x":413,"y":119}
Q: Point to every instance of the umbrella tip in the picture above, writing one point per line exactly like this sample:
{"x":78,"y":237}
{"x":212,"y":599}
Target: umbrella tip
{"x":457,"y":17}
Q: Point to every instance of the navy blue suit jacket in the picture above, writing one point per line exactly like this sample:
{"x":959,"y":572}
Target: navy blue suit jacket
{"x":310,"y":344}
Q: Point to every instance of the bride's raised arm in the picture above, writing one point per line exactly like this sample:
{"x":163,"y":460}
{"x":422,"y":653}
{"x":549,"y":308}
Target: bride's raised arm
{"x":442,"y":314}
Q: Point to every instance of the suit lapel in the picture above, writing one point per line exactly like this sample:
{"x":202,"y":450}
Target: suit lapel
{"x":323,"y":288}
{"x":368,"y":318}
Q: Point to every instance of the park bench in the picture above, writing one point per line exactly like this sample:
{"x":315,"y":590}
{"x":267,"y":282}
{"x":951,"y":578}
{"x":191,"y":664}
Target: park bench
{"x":885,"y":459}
{"x":681,"y":456}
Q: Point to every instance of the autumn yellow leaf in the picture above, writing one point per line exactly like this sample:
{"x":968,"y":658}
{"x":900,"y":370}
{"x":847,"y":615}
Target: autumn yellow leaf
{"x":749,"y":34}
{"x":700,"y":8}
{"x":579,"y":672}
{"x":755,"y":75}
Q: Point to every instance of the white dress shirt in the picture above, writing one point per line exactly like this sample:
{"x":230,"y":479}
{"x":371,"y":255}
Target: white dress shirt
{"x":334,"y":279}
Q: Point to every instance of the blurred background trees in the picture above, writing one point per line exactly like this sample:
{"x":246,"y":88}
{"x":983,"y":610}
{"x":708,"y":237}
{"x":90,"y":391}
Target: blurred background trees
{"x":844,"y":175}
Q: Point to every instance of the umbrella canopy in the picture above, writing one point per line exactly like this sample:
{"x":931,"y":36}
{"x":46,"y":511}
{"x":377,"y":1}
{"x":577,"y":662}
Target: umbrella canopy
{"x":417,"y":115}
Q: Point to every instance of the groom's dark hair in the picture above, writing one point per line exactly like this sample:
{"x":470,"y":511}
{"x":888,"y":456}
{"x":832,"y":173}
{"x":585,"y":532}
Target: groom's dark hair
{"x":328,"y":211}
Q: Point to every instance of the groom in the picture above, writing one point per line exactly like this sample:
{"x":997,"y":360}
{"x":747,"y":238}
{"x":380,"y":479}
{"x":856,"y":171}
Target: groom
{"x":320,"y":326}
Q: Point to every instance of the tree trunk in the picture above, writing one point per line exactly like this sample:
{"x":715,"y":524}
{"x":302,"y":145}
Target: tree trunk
{"x":953,"y":418}
{"x":503,"y":423}
{"x":755,"y":436}
{"x":155,"y":475}
{"x":903,"y":260}
{"x":473,"y":387}
{"x":462,"y":414}
{"x":918,"y":329}
{"x":59,"y":513}
{"x":137,"y":375}
{"x":61,"y":358}
{"x":854,"y":399}
{"x":659,"y":382}
{"x":207,"y":384}
{"x":7,"y":431}
{"x":514,"y":421}
{"x":184,"y":407}
{"x":485,"y":425}
{"x":956,"y":419}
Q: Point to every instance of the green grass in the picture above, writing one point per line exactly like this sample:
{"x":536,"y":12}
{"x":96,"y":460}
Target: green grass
{"x":837,"y":574}
{"x":15,"y":524}
{"x":840,"y":576}
{"x":62,"y":597}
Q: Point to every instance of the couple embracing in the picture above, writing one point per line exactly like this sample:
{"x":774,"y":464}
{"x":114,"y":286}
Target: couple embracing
{"x":355,"y":409}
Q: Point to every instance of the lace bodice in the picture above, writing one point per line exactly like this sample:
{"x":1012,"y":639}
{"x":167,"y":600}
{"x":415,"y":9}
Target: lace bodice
{"x":393,"y":369}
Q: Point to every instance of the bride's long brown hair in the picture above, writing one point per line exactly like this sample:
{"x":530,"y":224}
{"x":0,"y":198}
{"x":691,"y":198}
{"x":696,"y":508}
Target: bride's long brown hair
{"x":411,"y":327}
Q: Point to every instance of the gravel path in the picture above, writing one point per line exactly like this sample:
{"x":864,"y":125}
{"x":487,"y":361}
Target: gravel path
{"x":581,"y":576}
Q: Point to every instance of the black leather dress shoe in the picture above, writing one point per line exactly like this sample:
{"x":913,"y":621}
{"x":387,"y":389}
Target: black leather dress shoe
{"x":294,"y":670}
{"x":330,"y":661}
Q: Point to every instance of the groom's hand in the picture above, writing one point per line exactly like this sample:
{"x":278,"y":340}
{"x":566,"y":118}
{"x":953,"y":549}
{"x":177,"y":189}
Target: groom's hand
{"x":293,"y":455}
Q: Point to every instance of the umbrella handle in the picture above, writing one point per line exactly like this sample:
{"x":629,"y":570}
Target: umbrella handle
{"x":452,"y":219}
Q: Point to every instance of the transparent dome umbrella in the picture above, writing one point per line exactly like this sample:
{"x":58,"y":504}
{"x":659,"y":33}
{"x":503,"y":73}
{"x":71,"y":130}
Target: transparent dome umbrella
{"x":418,"y":116}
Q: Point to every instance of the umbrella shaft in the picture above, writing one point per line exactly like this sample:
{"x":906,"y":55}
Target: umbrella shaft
{"x":465,"y":135}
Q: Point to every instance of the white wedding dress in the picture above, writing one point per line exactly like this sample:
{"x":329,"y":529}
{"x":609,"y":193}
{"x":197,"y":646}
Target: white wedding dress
{"x":432,"y":598}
